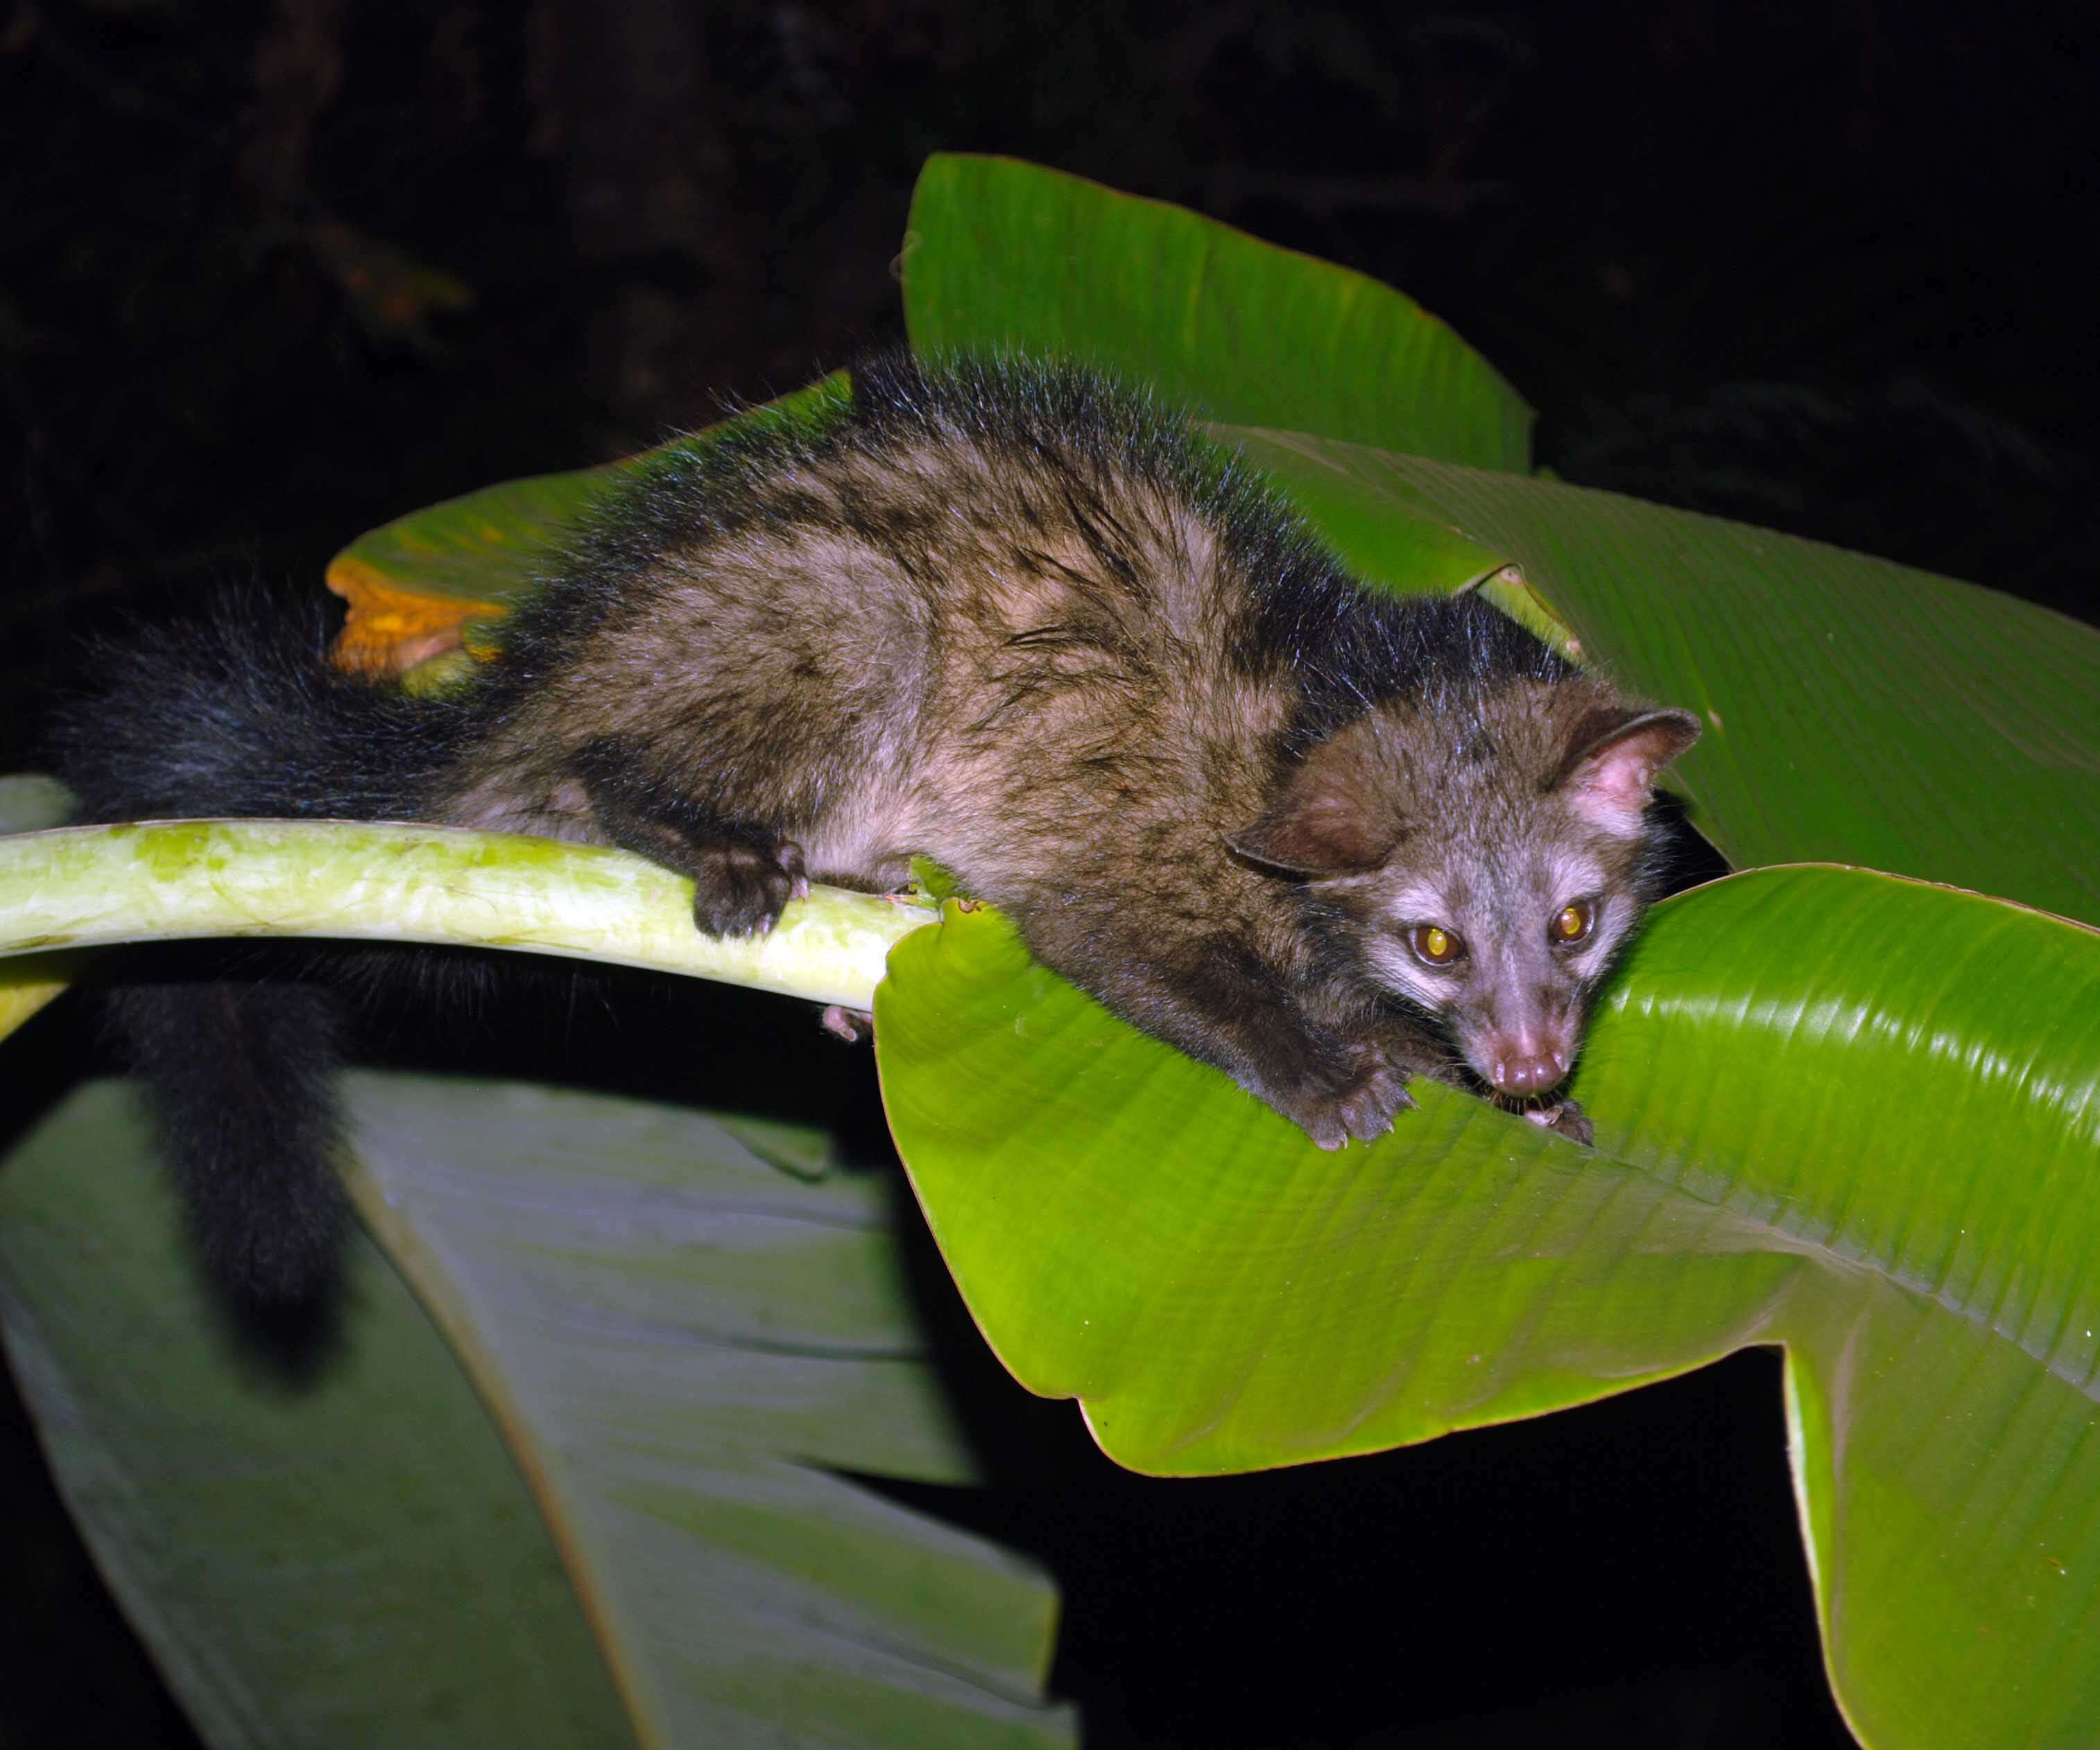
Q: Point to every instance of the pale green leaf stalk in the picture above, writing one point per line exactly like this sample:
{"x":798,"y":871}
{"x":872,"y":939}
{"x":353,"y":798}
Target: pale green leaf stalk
{"x":82,"y":887}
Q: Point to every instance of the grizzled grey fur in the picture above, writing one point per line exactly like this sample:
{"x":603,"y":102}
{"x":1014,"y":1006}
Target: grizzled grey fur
{"x":1028,"y":623}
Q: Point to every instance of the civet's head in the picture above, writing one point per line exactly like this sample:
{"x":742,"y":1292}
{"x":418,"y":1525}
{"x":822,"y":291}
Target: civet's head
{"x":1485,"y":852}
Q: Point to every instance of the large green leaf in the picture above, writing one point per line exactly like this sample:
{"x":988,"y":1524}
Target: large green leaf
{"x":1856,"y":710}
{"x":1852,"y":1114}
{"x":1003,"y":254}
{"x":674,"y":1338}
{"x":678,"y":1340}
{"x":349,"y":1560}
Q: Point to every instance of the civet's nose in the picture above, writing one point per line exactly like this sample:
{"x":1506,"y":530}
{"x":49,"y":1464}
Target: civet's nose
{"x":1522,"y":1065}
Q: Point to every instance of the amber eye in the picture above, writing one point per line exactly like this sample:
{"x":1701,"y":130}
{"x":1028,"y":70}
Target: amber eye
{"x":1434,"y":945}
{"x":1570,"y":923}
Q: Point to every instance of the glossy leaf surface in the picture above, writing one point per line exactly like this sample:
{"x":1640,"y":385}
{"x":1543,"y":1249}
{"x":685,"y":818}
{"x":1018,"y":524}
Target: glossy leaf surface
{"x":1221,"y":1295}
{"x":1003,"y":254}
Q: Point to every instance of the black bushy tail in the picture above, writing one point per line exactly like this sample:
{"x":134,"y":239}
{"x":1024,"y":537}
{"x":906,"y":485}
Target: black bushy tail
{"x":240,"y":713}
{"x":241,"y":1080}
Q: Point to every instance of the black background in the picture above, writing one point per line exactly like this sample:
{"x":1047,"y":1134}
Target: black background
{"x":271,"y":275}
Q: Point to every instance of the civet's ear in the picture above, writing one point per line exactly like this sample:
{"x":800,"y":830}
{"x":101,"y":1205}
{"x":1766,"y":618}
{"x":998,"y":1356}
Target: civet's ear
{"x":1335,"y":815}
{"x":1610,"y":771}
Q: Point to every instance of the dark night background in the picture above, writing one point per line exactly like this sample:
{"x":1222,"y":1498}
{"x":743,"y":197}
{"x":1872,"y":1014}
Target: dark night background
{"x":272,"y":274}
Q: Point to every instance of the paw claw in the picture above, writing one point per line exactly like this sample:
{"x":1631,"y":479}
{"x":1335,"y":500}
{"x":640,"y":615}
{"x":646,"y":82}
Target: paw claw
{"x":1569,"y":1119}
{"x":1565,"y":1119}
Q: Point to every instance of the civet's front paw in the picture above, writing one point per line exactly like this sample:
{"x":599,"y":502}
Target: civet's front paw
{"x":1360,"y":1102}
{"x":739,"y":889}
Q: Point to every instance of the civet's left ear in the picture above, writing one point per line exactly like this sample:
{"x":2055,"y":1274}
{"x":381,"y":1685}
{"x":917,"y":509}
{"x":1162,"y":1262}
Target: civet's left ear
{"x":1335,"y":815}
{"x":1610,"y":772}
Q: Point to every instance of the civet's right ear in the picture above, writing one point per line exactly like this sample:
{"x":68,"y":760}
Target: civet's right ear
{"x":1610,"y":772}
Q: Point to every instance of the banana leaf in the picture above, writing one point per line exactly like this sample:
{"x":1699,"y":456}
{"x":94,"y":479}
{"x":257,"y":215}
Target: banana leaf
{"x":583,"y":1492}
{"x":1852,"y":1115}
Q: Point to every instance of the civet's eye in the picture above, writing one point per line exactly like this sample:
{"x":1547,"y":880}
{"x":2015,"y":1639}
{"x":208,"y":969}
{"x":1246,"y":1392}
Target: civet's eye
{"x":1572,"y":923}
{"x":1434,"y":945}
